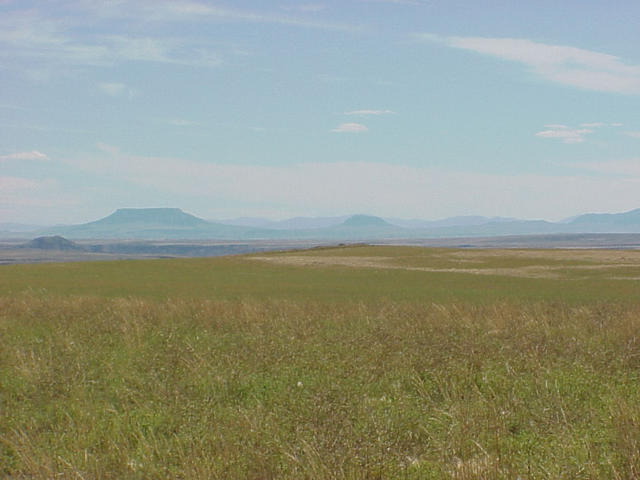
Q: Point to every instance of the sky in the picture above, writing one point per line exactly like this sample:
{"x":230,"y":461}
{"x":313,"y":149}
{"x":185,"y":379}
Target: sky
{"x":399,"y":108}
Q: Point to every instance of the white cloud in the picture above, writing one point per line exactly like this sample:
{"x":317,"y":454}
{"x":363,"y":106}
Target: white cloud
{"x":572,"y":135}
{"x":25,"y":200}
{"x":51,"y":42}
{"x":350,"y":128}
{"x":165,"y":50}
{"x":564,"y":133}
{"x":172,"y":11}
{"x":365,"y":113}
{"x":600,"y":125}
{"x":40,"y":128}
{"x":32,"y":155}
{"x":181,"y":122}
{"x":632,"y":134}
{"x":72,"y":36}
{"x":561,"y":64}
{"x":306,"y":7}
{"x":9,"y":185}
{"x":114,"y":89}
{"x":186,"y":11}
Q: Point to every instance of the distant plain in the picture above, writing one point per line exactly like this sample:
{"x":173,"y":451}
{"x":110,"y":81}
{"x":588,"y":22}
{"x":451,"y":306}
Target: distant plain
{"x":17,"y":250}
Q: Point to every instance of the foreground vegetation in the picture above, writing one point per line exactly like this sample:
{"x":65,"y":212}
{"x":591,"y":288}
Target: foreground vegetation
{"x":517,"y":382}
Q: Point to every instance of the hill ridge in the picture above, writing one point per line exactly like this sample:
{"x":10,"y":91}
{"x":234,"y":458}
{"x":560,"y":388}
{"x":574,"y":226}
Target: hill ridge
{"x":164,"y":223}
{"x":362,"y":220}
{"x":155,"y":216}
{"x":53,"y":242}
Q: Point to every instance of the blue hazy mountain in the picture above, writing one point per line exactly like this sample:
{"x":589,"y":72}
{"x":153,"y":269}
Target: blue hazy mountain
{"x":303,"y":223}
{"x":173,"y":223}
{"x":357,"y":228}
{"x":461,"y":221}
{"x":295,"y":223}
{"x":626,"y":222}
{"x":363,"y":221}
{"x":150,"y":216}
{"x":153,"y":223}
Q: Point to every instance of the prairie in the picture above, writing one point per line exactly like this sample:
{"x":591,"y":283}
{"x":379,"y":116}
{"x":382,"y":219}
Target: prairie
{"x":354,"y":363}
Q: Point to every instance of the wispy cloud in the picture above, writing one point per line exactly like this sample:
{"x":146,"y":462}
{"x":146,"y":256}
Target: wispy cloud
{"x":600,"y":124}
{"x":181,"y":122}
{"x":169,"y":11}
{"x":332,"y":78}
{"x":115,"y":89}
{"x":305,"y":7}
{"x":350,"y":128}
{"x":364,"y":113}
{"x":10,"y":185}
{"x":573,"y":135}
{"x":63,"y":38}
{"x":27,"y":200}
{"x":166,"y":50}
{"x":41,"y":128}
{"x":400,"y":2}
{"x":629,"y":168}
{"x":561,"y":64}
{"x":55,"y":41}
{"x":632,"y":134}
{"x":564,"y":133}
{"x":330,"y":187}
{"x":112,"y":89}
{"x":200,"y":11}
{"x":13,"y":107}
{"x":32,"y":155}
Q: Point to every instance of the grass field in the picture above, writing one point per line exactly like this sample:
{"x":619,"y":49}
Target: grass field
{"x":354,"y":363}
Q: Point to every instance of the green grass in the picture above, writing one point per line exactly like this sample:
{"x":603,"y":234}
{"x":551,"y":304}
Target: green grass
{"x":237,"y":278}
{"x":229,"y":368}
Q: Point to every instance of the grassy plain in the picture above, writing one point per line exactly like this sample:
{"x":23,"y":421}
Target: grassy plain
{"x":355,"y":363}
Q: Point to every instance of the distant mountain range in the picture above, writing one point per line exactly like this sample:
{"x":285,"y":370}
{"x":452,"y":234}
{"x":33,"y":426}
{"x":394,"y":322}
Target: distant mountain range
{"x":152,"y":223}
{"x":296,"y":223}
{"x":464,"y":221}
{"x":175,"y":224}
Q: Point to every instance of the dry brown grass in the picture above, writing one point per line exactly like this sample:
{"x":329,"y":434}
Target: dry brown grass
{"x":600,"y":256}
{"x":543,"y":270}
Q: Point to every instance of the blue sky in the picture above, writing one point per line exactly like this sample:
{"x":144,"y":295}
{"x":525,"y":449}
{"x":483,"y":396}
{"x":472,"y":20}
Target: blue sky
{"x":406,"y":108}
